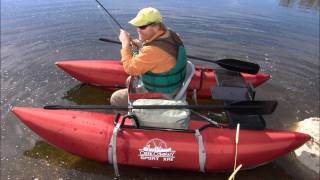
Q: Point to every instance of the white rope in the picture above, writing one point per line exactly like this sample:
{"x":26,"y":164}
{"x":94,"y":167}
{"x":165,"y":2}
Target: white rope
{"x":235,"y":170}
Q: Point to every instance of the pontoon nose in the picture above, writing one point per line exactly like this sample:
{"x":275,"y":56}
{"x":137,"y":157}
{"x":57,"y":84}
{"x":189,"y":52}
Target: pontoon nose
{"x":262,"y":77}
{"x":66,"y":65}
{"x":73,"y":131}
{"x":301,"y":138}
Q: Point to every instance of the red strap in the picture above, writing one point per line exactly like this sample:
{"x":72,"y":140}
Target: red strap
{"x":135,"y":96}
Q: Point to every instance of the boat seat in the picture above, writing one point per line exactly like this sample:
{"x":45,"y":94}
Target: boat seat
{"x":231,"y":87}
{"x":182,"y":94}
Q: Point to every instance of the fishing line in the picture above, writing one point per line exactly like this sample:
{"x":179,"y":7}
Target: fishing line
{"x":113,"y":28}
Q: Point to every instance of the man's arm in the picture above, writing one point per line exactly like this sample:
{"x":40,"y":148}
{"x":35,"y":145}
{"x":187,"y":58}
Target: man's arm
{"x":150,"y":58}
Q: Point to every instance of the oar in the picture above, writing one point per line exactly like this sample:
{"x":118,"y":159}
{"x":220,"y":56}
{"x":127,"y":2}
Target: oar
{"x":230,"y":64}
{"x":242,"y":107}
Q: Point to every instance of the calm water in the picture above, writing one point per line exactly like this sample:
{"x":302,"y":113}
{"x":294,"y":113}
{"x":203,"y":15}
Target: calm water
{"x":280,"y":35}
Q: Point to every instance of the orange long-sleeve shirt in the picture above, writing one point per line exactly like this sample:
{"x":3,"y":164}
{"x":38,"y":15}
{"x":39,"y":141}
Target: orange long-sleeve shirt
{"x":150,"y":58}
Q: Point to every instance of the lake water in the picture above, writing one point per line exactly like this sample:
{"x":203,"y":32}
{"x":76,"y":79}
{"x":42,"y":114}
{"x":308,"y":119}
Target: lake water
{"x":282,"y":36}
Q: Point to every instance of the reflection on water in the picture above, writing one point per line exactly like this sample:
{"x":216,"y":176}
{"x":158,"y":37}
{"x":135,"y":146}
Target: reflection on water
{"x":60,"y":158}
{"x":315,"y":4}
{"x":87,"y":94}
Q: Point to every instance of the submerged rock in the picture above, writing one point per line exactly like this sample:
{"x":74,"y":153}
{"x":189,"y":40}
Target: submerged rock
{"x":309,"y":153}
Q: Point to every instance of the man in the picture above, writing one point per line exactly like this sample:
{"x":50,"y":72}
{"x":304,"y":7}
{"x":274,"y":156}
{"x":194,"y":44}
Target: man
{"x":160,"y":61}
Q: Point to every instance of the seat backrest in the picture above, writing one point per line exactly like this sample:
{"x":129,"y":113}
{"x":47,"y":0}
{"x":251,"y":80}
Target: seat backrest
{"x":181,"y":95}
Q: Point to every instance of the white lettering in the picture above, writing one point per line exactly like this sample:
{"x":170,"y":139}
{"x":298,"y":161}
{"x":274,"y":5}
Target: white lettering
{"x":155,"y":150}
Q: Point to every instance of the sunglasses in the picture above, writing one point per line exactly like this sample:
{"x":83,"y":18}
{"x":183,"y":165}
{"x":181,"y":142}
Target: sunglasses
{"x":145,"y":26}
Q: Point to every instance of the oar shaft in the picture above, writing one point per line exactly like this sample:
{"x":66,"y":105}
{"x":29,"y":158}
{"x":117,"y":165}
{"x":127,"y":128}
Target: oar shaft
{"x":230,"y":64}
{"x":243,"y":107}
{"x":191,"y":57}
{"x":199,"y":58}
{"x":109,"y":40}
{"x":200,"y":107}
{"x":188,"y":56}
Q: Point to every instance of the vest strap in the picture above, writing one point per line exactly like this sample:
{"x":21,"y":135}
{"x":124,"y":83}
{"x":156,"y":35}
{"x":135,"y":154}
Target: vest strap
{"x":166,"y":74}
{"x":164,"y":86}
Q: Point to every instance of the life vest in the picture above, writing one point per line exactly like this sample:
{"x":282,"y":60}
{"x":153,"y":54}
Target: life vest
{"x":167,"y":82}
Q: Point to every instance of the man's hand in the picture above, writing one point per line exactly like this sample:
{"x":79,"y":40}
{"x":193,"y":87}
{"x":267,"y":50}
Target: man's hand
{"x":124,"y":37}
{"x":136,"y":43}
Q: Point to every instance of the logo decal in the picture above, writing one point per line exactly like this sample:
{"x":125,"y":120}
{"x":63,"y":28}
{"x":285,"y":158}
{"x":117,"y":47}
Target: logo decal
{"x":156,"y":150}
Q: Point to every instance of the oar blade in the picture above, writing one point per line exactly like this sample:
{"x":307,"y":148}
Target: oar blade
{"x":240,"y":66}
{"x":252,"y":107}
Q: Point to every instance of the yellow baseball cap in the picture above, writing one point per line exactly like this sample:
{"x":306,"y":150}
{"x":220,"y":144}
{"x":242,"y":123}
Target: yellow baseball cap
{"x":146,"y":16}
